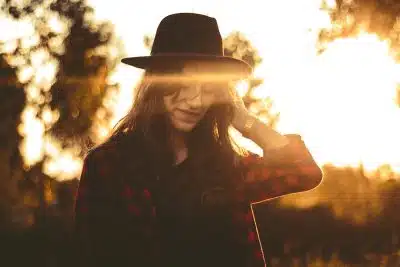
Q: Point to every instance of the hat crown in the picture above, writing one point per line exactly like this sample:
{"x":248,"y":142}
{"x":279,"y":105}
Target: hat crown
{"x":183,"y":39}
{"x":188,"y":33}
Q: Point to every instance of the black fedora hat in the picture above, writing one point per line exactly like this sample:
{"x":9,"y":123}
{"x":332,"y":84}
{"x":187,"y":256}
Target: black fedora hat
{"x":189,"y":38}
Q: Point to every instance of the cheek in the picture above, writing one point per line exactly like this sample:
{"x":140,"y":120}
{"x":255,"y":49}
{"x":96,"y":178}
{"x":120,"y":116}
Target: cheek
{"x":206,"y":107}
{"x":168,"y":103}
{"x":171,"y":101}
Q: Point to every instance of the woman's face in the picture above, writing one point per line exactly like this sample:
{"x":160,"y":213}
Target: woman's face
{"x":187,"y":105}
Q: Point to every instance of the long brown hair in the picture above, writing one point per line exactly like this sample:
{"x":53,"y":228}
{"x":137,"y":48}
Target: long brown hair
{"x":146,"y":119}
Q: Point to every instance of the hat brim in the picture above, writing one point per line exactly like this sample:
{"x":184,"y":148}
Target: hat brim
{"x":225,"y":65}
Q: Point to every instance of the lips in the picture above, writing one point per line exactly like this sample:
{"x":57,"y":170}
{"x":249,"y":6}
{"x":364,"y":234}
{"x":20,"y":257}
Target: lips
{"x":190,"y":113}
{"x":189,"y":116}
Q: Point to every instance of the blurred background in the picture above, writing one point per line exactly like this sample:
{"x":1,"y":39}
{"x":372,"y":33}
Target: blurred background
{"x":328,"y":70}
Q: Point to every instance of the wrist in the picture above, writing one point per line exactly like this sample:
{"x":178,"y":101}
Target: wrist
{"x":263,"y":135}
{"x":248,"y":126}
{"x":244,"y":122}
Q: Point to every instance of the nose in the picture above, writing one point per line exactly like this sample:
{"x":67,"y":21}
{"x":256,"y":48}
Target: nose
{"x":194,"y":100}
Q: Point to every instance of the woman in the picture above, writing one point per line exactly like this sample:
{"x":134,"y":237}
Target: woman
{"x":169,"y":187}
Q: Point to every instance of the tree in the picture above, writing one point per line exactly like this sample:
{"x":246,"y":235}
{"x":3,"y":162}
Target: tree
{"x":12,"y":102}
{"x":237,"y":46}
{"x":381,"y":17}
{"x":373,"y":16}
{"x":83,"y":51}
{"x":69,"y":56}
{"x":81,"y":82}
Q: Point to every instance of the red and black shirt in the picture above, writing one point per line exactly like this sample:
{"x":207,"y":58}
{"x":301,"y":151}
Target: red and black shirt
{"x":190,"y":215}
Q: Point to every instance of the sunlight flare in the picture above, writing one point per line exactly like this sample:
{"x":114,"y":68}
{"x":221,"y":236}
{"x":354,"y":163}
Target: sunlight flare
{"x":344,"y":104}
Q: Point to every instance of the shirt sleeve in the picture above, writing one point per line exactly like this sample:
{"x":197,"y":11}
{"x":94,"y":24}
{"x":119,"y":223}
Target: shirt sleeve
{"x":279,"y":172}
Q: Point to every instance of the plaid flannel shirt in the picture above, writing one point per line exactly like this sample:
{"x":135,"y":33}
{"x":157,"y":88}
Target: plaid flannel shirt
{"x":115,"y":218}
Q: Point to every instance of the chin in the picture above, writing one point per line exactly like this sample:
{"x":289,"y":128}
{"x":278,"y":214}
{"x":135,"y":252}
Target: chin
{"x":184,"y":127}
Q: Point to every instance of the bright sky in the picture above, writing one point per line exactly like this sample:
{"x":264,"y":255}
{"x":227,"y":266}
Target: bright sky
{"x":133,"y":20}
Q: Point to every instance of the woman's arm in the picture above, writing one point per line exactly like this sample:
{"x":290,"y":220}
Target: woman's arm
{"x":259,"y":132}
{"x":282,"y":171}
{"x":286,"y":166}
{"x":93,"y":216}
{"x":102,"y":236}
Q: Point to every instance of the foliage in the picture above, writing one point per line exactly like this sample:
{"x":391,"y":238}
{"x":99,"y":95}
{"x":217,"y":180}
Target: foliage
{"x":64,"y":63}
{"x":238,"y":46}
{"x":374,"y":16}
{"x":82,"y":50}
{"x":381,"y":17}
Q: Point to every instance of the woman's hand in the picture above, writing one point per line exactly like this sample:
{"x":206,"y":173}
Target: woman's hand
{"x":246,"y":123}
{"x":220,"y":94}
